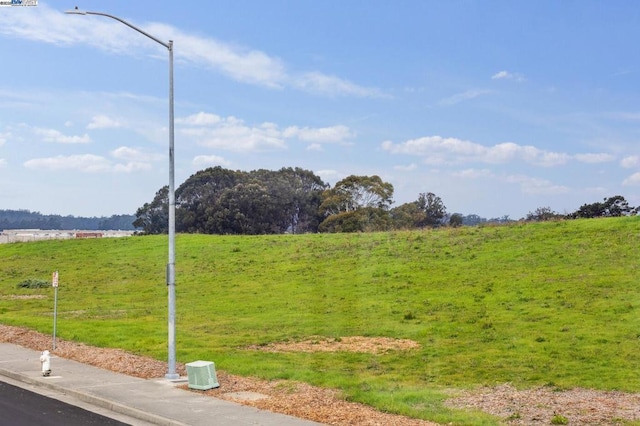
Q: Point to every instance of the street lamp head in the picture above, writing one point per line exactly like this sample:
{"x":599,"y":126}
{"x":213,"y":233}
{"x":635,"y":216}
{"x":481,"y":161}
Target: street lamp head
{"x":75,"y":11}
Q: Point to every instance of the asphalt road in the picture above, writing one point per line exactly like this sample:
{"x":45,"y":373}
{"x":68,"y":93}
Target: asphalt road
{"x":20,"y":407}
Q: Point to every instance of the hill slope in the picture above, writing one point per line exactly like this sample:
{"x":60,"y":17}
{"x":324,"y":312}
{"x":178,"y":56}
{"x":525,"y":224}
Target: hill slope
{"x":527,"y":304}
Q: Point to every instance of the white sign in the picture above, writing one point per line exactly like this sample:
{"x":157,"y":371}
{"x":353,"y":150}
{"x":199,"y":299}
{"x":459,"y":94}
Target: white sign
{"x":18,"y":2}
{"x":54,"y":280}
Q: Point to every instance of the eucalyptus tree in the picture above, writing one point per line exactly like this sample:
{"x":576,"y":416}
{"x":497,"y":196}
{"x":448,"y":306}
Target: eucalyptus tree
{"x":357,"y":203}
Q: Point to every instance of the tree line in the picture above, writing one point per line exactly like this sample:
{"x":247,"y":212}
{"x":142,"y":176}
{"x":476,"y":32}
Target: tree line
{"x":615,"y":206}
{"x":293,"y":200}
{"x":25,"y":219}
{"x":290,"y":200}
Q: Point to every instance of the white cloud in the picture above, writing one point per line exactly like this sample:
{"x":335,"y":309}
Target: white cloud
{"x":232,"y":134}
{"x":473,"y":174}
{"x":319,"y":83}
{"x":506,"y":75}
{"x":3,"y":162}
{"x":315,"y":147}
{"x":465,"y":96}
{"x":528,"y":184}
{"x":52,"y":135}
{"x":545,"y":158}
{"x":84,"y":163}
{"x":239,"y":63}
{"x":633,"y":180}
{"x":322,"y":134}
{"x":500,"y":75}
{"x":210,"y":160}
{"x":630,"y":162}
{"x":103,"y":122}
{"x":125,"y":153}
{"x":199,"y":119}
{"x":4,"y":137}
{"x":134,"y":155}
{"x":594,"y":158}
{"x":537,"y":186}
{"x":429,"y":144}
{"x":131,"y":167}
{"x":439,"y":150}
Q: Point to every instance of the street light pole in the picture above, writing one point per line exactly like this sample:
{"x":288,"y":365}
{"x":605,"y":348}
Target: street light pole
{"x":171,"y":265}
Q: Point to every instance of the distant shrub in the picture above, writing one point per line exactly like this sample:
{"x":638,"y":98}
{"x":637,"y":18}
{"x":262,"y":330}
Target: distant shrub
{"x":559,"y":420}
{"x":34,"y":283}
{"x":410,"y":316}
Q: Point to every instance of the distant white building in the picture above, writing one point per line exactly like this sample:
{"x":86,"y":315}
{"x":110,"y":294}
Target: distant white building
{"x":27,"y":235}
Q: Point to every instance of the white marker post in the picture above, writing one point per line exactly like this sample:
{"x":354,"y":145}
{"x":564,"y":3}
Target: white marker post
{"x":54,"y":283}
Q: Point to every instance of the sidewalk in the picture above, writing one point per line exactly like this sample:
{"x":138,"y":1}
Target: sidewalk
{"x":155,"y":401}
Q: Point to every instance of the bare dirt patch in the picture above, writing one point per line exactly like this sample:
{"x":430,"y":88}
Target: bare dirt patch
{"x":539,"y":406}
{"x":372,"y":345}
{"x":515,"y":407}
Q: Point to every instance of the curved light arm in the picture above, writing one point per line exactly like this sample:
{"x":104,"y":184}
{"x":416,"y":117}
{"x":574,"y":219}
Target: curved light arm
{"x":76,"y":11}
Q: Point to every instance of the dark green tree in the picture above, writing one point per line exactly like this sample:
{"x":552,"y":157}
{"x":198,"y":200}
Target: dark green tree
{"x":198,"y":196}
{"x":433,"y":208}
{"x":617,"y":206}
{"x":245,"y":209}
{"x":455,"y":220}
{"x":222,"y":201}
{"x":406,"y":216}
{"x":296,"y":195}
{"x":427,"y":211}
{"x":610,"y":207}
{"x":153,"y":218}
{"x":365,"y":219}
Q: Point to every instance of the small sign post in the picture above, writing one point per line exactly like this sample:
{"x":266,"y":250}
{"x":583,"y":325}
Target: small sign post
{"x":54,"y":283}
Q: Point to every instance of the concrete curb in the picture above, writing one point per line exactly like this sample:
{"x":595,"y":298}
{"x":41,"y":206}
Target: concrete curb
{"x":148,"y":401}
{"x":93,"y":400}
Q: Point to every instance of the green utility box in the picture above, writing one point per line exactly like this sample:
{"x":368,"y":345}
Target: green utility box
{"x":202,"y":375}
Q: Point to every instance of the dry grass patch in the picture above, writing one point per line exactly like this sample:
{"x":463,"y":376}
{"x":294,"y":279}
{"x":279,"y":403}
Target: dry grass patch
{"x":23,"y":296}
{"x":361,"y":344}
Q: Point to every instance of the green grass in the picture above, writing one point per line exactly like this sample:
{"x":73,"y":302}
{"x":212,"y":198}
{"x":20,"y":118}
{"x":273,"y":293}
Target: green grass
{"x":535,"y":304}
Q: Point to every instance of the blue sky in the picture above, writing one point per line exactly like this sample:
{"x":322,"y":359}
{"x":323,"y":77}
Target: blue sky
{"x":498,"y":107}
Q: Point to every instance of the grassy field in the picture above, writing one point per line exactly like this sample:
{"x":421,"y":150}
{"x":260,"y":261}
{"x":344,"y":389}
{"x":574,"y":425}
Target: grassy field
{"x":554,"y":303}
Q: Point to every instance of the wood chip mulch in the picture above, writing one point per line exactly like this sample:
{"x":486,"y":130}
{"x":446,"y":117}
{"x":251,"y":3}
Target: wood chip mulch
{"x":291,"y":398}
